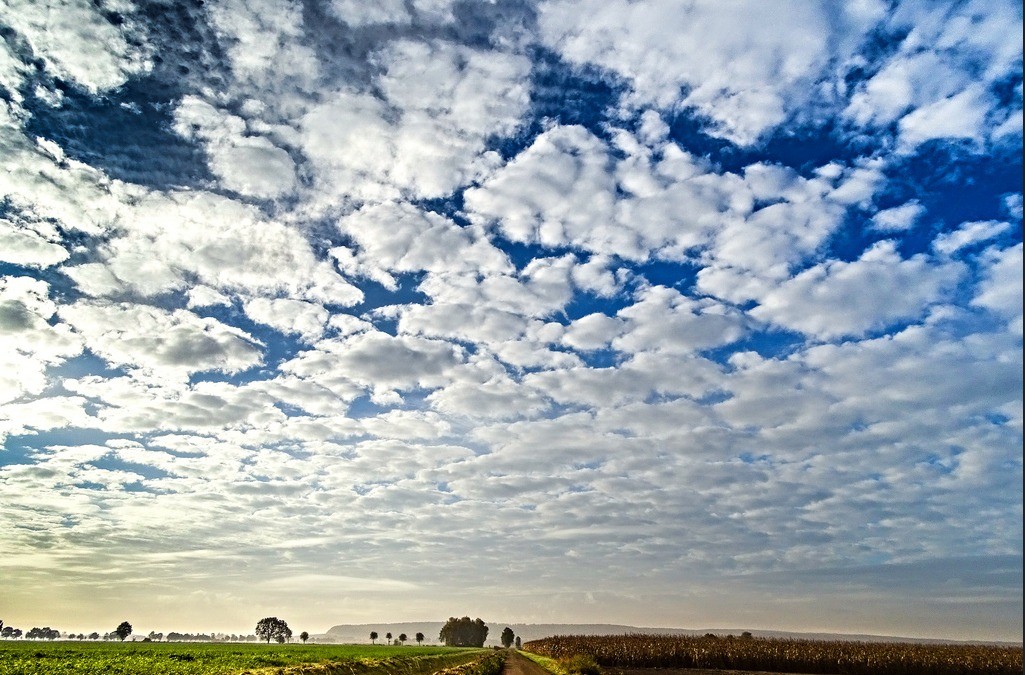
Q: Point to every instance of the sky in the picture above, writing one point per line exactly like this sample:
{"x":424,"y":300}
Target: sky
{"x":678,"y":313}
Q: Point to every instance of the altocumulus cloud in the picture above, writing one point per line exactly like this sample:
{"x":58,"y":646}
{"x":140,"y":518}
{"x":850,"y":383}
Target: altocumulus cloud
{"x":658,"y":312}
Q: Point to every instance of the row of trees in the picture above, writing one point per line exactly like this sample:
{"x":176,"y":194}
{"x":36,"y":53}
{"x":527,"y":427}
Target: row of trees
{"x":464,"y":632}
{"x":47,"y":633}
{"x":268,"y":629}
{"x":400,"y":640}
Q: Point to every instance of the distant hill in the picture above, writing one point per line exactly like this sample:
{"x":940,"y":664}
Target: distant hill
{"x":360,"y":633}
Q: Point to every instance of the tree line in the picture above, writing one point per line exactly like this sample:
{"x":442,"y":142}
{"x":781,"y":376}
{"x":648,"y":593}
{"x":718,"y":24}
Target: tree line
{"x":124,"y":630}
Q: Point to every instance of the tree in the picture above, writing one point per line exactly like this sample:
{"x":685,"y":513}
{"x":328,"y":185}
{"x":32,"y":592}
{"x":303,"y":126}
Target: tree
{"x":94,"y":636}
{"x":507,"y":637}
{"x":403,"y":638}
{"x":373,"y":637}
{"x":273,"y":628}
{"x":518,"y":643}
{"x":419,"y":638}
{"x":388,"y":637}
{"x":123,"y":630}
{"x":46,"y":633}
{"x":304,"y":636}
{"x":464,"y":632}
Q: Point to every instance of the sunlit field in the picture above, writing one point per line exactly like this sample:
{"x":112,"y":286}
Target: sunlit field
{"x":159,"y":658}
{"x":783,"y":655}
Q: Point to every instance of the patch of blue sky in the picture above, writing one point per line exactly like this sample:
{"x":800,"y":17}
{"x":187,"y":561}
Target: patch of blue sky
{"x":769,"y":343}
{"x":363,"y":407}
{"x":85,"y":364}
{"x":601,"y":358}
{"x":126,"y":133}
{"x":21,"y":448}
{"x":111,"y":462}
{"x":804,"y":147}
{"x":561,"y":93}
{"x":375,"y":295}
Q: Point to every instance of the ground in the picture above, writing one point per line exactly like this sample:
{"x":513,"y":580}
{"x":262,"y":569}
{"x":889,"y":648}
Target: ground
{"x":517,"y":664}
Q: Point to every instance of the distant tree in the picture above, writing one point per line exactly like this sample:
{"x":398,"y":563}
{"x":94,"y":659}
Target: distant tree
{"x":123,"y":630}
{"x":273,"y":628}
{"x":746,"y":635}
{"x":402,"y":638}
{"x":463,"y":632}
{"x":419,"y":638}
{"x":94,"y":636}
{"x":388,"y":637}
{"x":304,"y":636}
{"x":518,"y":643}
{"x":507,"y":637}
{"x":373,"y":637}
{"x":46,"y":633}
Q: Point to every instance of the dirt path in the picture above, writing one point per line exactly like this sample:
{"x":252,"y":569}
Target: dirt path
{"x":517,"y":664}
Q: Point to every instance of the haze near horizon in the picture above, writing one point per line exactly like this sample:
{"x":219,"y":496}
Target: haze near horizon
{"x":649,"y":312}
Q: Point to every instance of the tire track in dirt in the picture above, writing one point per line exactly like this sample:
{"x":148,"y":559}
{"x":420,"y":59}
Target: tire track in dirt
{"x":517,"y":664}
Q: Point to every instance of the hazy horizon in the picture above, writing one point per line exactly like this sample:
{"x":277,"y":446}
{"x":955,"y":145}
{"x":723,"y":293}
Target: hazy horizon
{"x":654,"y":312}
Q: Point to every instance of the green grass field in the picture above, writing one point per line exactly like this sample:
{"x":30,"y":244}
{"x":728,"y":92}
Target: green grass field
{"x":176,"y":658}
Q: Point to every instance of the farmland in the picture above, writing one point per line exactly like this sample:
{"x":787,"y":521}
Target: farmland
{"x":160,"y":658}
{"x":630,"y":652}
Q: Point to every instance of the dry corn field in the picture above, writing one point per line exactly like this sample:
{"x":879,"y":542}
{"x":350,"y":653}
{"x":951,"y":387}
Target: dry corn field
{"x":785,"y":655}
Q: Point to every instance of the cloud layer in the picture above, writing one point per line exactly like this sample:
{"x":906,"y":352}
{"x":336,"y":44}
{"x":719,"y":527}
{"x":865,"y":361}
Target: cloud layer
{"x":730,"y":313}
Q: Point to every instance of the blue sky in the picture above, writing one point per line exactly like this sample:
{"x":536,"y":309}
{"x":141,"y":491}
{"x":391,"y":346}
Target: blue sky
{"x":663,"y":313}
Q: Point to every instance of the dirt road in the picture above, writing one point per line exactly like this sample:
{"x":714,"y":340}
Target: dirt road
{"x":517,"y":664}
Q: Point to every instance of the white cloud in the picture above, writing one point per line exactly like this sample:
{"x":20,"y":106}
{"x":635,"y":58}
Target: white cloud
{"x":30,"y":244}
{"x":593,"y":331}
{"x":262,"y":39}
{"x":75,"y":41}
{"x":969,"y":234}
{"x":358,"y":14}
{"x":746,"y":70}
{"x":1001,"y":287}
{"x":379,"y":361}
{"x":935,"y":85}
{"x":960,"y":116}
{"x":29,"y":344}
{"x":401,"y":238}
{"x":665,"y":320}
{"x":223,"y":244}
{"x":306,"y":319}
{"x":425,"y":136}
{"x":898,"y":218}
{"x":566,"y":190}
{"x":248,"y":164}
{"x":836,"y":298}
{"x":204,"y":296}
{"x":170,"y":344}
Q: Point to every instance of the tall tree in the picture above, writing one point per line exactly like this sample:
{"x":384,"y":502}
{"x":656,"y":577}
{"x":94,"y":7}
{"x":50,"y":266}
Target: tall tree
{"x":123,"y":630}
{"x":388,"y":637}
{"x":464,"y":632}
{"x":304,"y":636}
{"x":507,"y":637}
{"x":273,"y":628}
{"x":373,"y":637}
{"x":403,"y":638}
{"x":419,"y":638}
